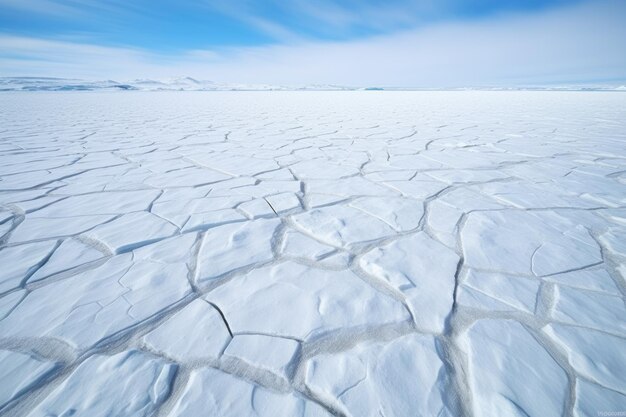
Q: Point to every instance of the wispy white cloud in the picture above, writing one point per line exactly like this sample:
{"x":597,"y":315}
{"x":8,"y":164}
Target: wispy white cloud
{"x":33,"y":56}
{"x":67,"y":9}
{"x":385,"y":16}
{"x":576,"y":43}
{"x":245,"y":11}
{"x":47,"y":7}
{"x":300,"y":19}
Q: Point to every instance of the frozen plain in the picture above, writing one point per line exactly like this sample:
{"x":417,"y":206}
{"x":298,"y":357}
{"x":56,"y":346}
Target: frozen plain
{"x":312,"y":254}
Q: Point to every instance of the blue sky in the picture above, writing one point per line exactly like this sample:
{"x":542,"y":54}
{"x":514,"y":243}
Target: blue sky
{"x":162,"y":25}
{"x":438,"y":43}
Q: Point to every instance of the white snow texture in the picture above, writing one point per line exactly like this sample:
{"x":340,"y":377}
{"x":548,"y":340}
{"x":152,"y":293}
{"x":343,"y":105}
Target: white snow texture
{"x":287,"y":254}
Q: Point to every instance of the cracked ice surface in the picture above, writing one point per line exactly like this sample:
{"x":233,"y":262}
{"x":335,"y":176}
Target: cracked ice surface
{"x":313,"y":254}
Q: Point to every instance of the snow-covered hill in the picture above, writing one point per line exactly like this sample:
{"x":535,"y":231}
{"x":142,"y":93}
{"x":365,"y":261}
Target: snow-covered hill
{"x":173,"y":84}
{"x":192,"y":84}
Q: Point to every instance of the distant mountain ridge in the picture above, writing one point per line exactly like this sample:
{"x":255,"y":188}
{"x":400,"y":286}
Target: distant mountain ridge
{"x":173,"y":84}
{"x":192,"y":84}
